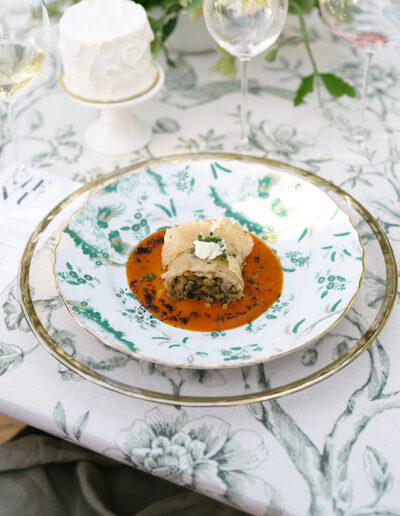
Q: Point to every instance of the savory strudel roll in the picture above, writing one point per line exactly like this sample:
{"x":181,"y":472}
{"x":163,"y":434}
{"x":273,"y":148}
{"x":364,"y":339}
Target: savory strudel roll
{"x":203,"y":259}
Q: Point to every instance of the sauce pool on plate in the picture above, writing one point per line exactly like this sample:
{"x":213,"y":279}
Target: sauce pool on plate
{"x":262,"y":275}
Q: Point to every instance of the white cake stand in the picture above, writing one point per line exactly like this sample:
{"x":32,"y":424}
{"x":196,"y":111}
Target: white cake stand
{"x":118,"y":130}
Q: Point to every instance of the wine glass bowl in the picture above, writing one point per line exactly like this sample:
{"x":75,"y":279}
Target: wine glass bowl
{"x":20,"y":63}
{"x":370,"y":24}
{"x":24,"y":40}
{"x":245,"y":28}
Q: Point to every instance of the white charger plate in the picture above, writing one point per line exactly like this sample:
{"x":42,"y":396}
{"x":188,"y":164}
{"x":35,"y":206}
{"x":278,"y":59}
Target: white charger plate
{"x":319,"y":248}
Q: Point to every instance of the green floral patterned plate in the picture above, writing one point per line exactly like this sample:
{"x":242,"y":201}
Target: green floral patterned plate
{"x":319,"y":248}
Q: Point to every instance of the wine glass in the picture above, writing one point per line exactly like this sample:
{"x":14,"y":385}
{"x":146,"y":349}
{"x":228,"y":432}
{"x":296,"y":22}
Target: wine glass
{"x":24,"y":39}
{"x":367,"y":24}
{"x":245,"y":28}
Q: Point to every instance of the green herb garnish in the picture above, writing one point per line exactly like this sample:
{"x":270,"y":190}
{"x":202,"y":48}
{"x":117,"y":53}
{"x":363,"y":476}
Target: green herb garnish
{"x":209,"y":239}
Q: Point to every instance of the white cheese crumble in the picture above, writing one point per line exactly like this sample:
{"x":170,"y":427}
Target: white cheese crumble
{"x":214,"y":225}
{"x":209,"y":250}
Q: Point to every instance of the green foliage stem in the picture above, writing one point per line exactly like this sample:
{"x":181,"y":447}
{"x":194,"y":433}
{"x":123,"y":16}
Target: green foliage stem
{"x":333,"y":84}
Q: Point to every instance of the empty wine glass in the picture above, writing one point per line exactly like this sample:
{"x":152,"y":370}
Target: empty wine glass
{"x":367,"y":24}
{"x":24,"y":37}
{"x":245,"y":28}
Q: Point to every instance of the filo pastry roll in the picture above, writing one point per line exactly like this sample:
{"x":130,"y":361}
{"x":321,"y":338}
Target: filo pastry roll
{"x":203,"y":259}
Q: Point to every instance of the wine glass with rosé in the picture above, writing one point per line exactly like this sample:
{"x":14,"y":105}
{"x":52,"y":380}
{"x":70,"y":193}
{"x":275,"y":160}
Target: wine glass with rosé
{"x":245,"y":28}
{"x":24,"y":39}
{"x":367,"y":24}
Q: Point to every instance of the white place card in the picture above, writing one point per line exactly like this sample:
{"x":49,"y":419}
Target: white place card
{"x":25,"y":198}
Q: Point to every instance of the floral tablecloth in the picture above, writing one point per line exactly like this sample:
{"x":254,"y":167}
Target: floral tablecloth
{"x":331,"y":449}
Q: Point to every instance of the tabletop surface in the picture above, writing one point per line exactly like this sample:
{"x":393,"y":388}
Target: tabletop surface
{"x":330,"y":449}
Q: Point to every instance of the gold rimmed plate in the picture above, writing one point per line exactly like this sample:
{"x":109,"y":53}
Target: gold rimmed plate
{"x":296,"y":371}
{"x":318,"y":246}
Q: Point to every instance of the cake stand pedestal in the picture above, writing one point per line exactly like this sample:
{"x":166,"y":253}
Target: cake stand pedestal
{"x":118,"y":130}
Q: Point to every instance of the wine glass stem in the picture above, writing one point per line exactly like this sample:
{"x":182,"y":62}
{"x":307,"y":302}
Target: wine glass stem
{"x":243,"y":111}
{"x":364,"y":88}
{"x":11,"y":126}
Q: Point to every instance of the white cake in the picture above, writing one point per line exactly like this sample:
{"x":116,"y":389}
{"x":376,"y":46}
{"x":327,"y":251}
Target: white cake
{"x":105,"y":49}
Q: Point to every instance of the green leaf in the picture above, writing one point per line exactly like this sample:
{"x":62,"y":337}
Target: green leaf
{"x":170,"y":6}
{"x":303,"y":234}
{"x":341,"y":234}
{"x":80,"y":425}
{"x":297,"y":326}
{"x":169,"y":27}
{"x":305,"y":6}
{"x":337,"y":86}
{"x":166,"y":125}
{"x":226,"y":64}
{"x":156,"y":24}
{"x":158,"y":179}
{"x":53,"y":11}
{"x":170,"y":62}
{"x":156,"y":44}
{"x":60,"y":419}
{"x":192,"y":5}
{"x":164,"y":209}
{"x":306,"y":87}
{"x":173,"y":209}
{"x":271,"y":56}
{"x":10,"y":357}
{"x":222,"y":168}
{"x":376,"y":470}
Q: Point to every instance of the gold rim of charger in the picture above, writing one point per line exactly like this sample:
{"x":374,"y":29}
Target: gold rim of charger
{"x":263,"y":395}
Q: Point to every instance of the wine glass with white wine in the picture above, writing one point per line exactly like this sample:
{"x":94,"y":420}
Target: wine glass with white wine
{"x":245,"y":28}
{"x":24,"y":40}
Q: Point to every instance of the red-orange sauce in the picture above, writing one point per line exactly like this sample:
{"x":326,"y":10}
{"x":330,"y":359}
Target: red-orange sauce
{"x":262,"y":276}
